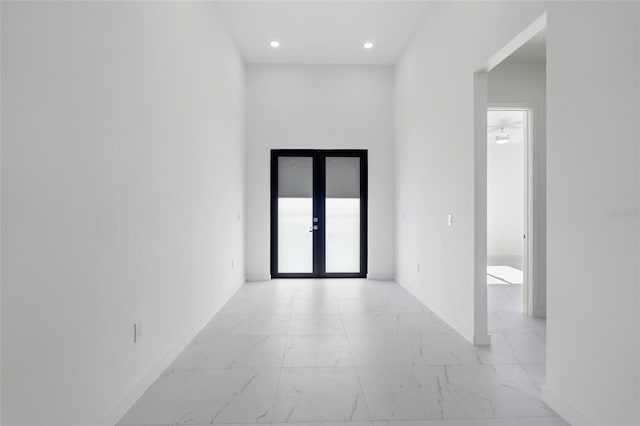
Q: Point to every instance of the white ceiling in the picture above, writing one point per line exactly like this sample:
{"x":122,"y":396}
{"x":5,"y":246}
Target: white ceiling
{"x":322,"y":32}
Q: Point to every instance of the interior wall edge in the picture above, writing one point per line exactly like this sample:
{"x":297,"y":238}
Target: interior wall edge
{"x":258,"y":277}
{"x":380,"y":277}
{"x":115,"y":414}
{"x":564,"y":409}
{"x":446,"y":317}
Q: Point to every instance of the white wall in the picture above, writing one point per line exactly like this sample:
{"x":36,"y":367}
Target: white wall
{"x":320,"y":107}
{"x":525,"y":83}
{"x":592,"y":159}
{"x":122,"y":186}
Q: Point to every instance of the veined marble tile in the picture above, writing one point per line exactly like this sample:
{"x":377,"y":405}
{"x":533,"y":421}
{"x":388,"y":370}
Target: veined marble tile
{"x":319,"y":395}
{"x":317,"y":351}
{"x":375,"y":304}
{"x":386,"y":349}
{"x":229,"y":424}
{"x":273,"y":288}
{"x":311,"y":324}
{"x":537,"y":373}
{"x":165,"y":400}
{"x":522,"y":421}
{"x":394,"y":323}
{"x":315,"y":292}
{"x":250,"y":324}
{"x":446,"y":422}
{"x":371,"y":323}
{"x":367,"y":289}
{"x":265,"y":305}
{"x":422,"y":323}
{"x":496,"y":353}
{"x":502,"y":390}
{"x":232,"y":396}
{"x":412,"y":349}
{"x":500,"y":321}
{"x":358,"y":305}
{"x":510,"y":347}
{"x":406,"y":393}
{"x":364,"y":423}
{"x":311,"y":305}
{"x":412,"y":368}
{"x":232,"y":352}
{"x":447,"y":349}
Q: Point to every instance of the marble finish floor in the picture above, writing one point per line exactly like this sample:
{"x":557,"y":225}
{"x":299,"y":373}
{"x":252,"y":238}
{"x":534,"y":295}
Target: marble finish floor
{"x":354,"y":353}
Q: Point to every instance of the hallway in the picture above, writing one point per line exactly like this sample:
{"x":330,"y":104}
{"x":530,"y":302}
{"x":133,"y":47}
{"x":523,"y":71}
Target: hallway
{"x":322,"y":351}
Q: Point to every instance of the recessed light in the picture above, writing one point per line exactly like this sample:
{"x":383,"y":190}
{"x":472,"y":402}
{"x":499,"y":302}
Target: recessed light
{"x":368,"y":45}
{"x":275,"y":43}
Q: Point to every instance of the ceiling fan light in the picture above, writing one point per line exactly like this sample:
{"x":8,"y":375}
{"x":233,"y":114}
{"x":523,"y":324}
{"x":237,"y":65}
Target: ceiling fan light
{"x":502,"y":137}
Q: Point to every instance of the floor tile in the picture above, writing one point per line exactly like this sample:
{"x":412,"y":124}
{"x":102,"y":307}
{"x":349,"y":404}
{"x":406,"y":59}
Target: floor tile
{"x":422,"y":323}
{"x":165,"y":401}
{"x":447,"y":349}
{"x":363,"y":423}
{"x":317,"y":351}
{"x":263,"y":305}
{"x":241,"y":351}
{"x":406,"y":393}
{"x":502,"y":390}
{"x":446,"y":422}
{"x":319,"y":395}
{"x":536,"y":372}
{"x":321,"y":305}
{"x":386,"y":349}
{"x":205,"y":396}
{"x":371,"y":323}
{"x":249,"y":324}
{"x":233,"y":396}
{"x":343,"y":352}
{"x":521,"y":421}
{"x":311,"y":324}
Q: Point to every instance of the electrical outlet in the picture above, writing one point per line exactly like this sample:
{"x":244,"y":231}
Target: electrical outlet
{"x":450,"y":219}
{"x":137,"y":332}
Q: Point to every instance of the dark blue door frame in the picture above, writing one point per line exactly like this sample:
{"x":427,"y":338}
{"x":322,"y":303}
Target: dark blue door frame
{"x":319,"y":191}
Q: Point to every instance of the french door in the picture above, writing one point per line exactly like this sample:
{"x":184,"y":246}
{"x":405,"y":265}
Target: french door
{"x":318,"y":213}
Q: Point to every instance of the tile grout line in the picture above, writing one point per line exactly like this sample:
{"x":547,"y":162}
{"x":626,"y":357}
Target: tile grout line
{"x":353,"y":359}
{"x":284,"y":351}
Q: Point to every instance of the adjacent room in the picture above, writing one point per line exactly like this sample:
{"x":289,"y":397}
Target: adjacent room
{"x":364,"y":213}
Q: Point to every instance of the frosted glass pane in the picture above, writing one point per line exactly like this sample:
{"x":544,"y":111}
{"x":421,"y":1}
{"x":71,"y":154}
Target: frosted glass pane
{"x":342,"y":207}
{"x":343,"y":177}
{"x":343,"y":235}
{"x":295,"y":242}
{"x":295,"y":214}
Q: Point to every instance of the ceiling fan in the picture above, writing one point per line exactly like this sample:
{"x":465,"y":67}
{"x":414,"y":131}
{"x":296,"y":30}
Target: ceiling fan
{"x":506,"y":125}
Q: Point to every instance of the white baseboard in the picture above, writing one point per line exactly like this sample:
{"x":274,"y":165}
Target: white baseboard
{"x":134,"y":394}
{"x":540,"y":313}
{"x":266,"y":277}
{"x":478,"y":340}
{"x":564,"y":410}
{"x":482,"y":339}
{"x":380,"y":277}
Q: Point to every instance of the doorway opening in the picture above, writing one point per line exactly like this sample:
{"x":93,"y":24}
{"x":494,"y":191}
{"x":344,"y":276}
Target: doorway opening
{"x":318,"y":213}
{"x":520,"y":83}
{"x":509,"y":135}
